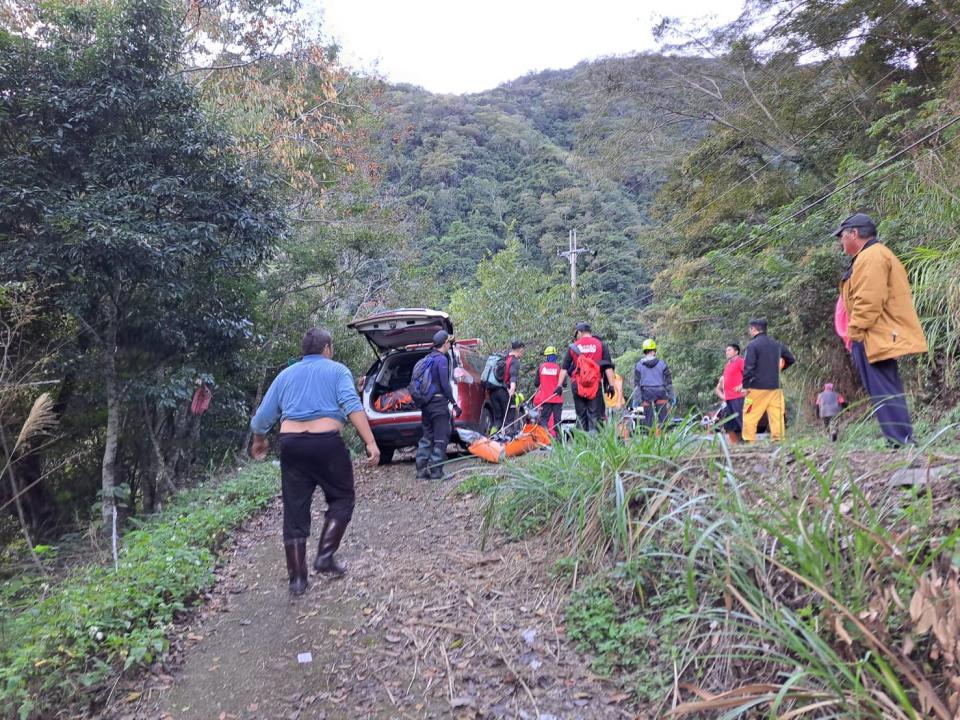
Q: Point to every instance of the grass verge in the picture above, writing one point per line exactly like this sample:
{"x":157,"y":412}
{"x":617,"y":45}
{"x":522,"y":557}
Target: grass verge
{"x":63,"y":647}
{"x":779,"y":581}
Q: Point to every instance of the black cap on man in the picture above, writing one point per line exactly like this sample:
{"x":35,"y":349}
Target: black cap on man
{"x":862,"y":223}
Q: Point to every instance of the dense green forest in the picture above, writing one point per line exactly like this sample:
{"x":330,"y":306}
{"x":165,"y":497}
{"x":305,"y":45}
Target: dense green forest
{"x":175,"y":208}
{"x":532,"y":160}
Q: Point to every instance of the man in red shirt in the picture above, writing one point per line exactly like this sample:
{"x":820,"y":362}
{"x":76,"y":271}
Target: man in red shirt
{"x":547,"y":382}
{"x":585,"y":354}
{"x":727,"y":390}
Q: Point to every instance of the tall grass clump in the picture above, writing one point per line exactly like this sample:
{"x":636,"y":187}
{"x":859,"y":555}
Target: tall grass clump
{"x":584,"y":488}
{"x":776,"y":581}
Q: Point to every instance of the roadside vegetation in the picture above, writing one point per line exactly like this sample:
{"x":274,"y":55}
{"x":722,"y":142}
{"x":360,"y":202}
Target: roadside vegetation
{"x":794,"y":580}
{"x":65,"y":642}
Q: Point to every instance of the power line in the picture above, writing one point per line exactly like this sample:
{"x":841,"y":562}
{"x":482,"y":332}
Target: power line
{"x":676,"y":224}
{"x":848,"y":183}
{"x":820,"y":200}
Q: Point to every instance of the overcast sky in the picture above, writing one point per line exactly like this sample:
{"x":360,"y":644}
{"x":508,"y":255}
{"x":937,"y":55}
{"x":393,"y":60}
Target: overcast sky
{"x":458,"y":46}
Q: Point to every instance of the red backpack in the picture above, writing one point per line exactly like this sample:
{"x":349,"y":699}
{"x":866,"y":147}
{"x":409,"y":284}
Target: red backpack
{"x":586,"y":373}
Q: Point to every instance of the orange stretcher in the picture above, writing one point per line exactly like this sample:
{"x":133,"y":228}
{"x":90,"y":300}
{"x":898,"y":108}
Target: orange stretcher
{"x":487,"y":449}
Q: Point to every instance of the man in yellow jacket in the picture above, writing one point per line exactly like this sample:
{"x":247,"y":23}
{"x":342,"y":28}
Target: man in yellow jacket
{"x":882,"y":321}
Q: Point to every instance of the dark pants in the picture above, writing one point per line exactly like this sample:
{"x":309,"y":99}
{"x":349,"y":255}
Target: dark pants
{"x":590,"y":413}
{"x":882,"y":382}
{"x":550,"y":411}
{"x":435,"y":425}
{"x":499,"y":400}
{"x":308,"y":460}
{"x":734,"y":412}
{"x":830,"y":427}
{"x":655,"y":406}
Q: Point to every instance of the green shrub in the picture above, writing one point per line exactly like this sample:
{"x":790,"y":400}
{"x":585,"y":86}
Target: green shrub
{"x":101,"y":619}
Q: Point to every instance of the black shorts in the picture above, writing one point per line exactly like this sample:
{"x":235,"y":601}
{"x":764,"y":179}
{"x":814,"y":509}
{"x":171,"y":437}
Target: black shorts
{"x":733,"y":411}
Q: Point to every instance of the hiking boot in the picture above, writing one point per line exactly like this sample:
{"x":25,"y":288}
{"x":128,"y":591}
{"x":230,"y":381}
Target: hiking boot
{"x":296,"y":553}
{"x":330,"y":537}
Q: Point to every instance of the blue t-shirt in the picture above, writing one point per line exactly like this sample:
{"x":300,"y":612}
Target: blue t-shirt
{"x":315,"y":387}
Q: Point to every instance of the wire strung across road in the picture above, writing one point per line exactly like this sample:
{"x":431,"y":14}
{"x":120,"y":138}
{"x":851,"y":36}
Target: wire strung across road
{"x":824,"y":198}
{"x":848,"y":183}
{"x":677,"y":224}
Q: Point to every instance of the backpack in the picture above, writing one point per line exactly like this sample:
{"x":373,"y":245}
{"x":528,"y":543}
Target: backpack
{"x":586,"y":373}
{"x":421,"y":382}
{"x":494,"y":371}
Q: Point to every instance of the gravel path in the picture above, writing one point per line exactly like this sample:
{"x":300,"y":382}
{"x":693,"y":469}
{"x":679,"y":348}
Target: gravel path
{"x":425,"y":624}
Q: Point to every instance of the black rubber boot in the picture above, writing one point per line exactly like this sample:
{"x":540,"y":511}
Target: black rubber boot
{"x":422,"y":473}
{"x":325,"y":564}
{"x":296,"y":552}
{"x":436,"y":470}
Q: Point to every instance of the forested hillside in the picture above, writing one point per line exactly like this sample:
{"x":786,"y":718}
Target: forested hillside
{"x":534,"y":159}
{"x":706,"y":186}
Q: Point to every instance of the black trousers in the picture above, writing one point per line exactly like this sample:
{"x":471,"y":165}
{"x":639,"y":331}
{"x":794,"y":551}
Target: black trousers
{"x":882,"y":381}
{"x":308,"y":460}
{"x":591,"y":414}
{"x":499,"y":400}
{"x":551,"y":410}
{"x":435,"y":426}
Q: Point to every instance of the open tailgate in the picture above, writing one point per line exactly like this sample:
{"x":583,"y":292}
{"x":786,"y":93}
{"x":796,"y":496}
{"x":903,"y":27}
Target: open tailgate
{"x":402,"y":328}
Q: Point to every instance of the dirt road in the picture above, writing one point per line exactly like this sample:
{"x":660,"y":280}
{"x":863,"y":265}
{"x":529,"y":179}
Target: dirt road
{"x":424,"y":625}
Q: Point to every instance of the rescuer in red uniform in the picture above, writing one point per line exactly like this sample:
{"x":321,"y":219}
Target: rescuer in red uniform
{"x":547,"y":382}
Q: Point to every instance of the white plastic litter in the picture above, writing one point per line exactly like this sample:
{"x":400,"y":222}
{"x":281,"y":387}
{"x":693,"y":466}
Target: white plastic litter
{"x":304,"y":658}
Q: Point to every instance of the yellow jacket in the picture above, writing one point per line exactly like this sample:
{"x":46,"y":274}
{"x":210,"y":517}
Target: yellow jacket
{"x":879,"y":306}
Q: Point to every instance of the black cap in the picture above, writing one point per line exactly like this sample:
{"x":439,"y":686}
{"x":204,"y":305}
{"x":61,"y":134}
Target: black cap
{"x":582,"y":327}
{"x":860,"y":221}
{"x":440,"y":337}
{"x":759,"y":323}
{"x":517,"y":344}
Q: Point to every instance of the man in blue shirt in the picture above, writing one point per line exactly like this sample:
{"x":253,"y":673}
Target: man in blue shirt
{"x":435,"y":418}
{"x":313,"y":400}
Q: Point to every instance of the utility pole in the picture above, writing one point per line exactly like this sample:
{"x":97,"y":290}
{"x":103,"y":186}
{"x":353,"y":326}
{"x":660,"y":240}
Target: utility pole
{"x":571,"y":256}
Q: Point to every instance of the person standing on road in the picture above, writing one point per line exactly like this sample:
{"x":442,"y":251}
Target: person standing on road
{"x":435,"y":420}
{"x":512,"y":373}
{"x":727,"y":390}
{"x":882,"y":323}
{"x":653,"y":386}
{"x":501,"y":396}
{"x":546,"y":398}
{"x":587,"y":363}
{"x":829,"y":403}
{"x":313,"y":400}
{"x":762,"y":363}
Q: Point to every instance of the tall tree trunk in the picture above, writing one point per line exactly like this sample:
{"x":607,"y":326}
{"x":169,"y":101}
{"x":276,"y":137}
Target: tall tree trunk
{"x":108,"y":479}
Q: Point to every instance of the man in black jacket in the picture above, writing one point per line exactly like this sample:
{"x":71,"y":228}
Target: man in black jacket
{"x":762,"y":363}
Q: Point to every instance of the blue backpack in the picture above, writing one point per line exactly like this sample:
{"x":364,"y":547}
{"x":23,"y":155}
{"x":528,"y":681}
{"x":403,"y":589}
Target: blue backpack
{"x":421,"y":383}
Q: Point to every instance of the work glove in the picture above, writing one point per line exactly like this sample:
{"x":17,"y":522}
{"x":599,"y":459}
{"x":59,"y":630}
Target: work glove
{"x":457,"y":412}
{"x":559,"y":391}
{"x":609,"y":391}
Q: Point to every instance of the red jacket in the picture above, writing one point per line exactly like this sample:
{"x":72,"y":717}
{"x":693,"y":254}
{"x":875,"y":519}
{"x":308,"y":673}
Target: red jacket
{"x":547,"y":377}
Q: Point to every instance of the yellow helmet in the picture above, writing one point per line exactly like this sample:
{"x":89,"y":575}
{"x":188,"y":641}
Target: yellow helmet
{"x":551,"y":350}
{"x":649,"y":344}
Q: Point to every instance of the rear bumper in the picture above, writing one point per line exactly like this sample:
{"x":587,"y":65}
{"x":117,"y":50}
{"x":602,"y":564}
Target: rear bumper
{"x":406,"y":433}
{"x":397,"y":434}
